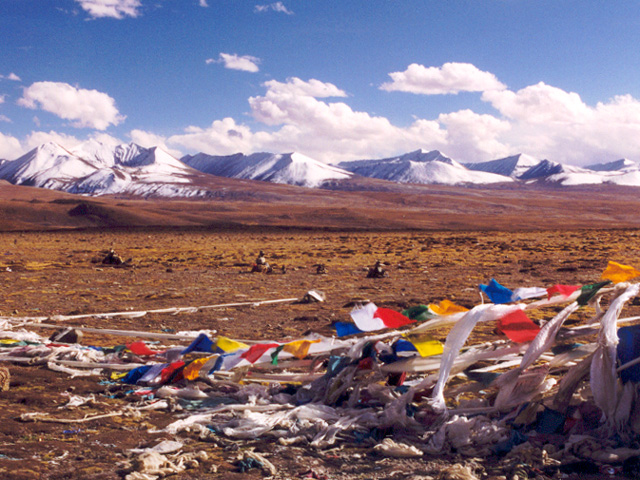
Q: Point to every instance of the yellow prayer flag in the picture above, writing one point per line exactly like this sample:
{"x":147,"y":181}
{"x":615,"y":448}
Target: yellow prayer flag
{"x":8,"y":341}
{"x":192,"y":371}
{"x":446,"y":307}
{"x":617,"y":272}
{"x":227,"y":345}
{"x":299,"y":348}
{"x":426,"y":345}
{"x":117,"y":375}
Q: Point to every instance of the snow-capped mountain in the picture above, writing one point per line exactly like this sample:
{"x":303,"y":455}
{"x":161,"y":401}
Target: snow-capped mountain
{"x":291,"y":168}
{"x":97,"y":169}
{"x":422,"y":167}
{"x":512,"y":166}
{"x":623,"y":164}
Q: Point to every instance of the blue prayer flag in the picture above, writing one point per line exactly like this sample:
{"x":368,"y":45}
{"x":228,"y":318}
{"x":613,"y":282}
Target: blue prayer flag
{"x":496,"y":292}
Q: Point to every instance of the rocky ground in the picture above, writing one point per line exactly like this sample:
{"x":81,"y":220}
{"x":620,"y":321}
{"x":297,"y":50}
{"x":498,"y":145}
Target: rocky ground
{"x":55,"y":273}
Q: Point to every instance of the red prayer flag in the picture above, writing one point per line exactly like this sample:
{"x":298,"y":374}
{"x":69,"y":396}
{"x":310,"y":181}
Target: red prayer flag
{"x":140,"y":348}
{"x":518,"y":327}
{"x":391,"y":318}
{"x":565,"y":290}
{"x":169,"y":369}
{"x":256,"y":351}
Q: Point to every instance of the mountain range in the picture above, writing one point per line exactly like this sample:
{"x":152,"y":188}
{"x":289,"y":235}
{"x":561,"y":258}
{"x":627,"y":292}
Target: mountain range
{"x":94,"y":168}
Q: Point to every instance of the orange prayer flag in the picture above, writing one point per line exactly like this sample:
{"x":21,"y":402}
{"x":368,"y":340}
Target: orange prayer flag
{"x":299,"y":348}
{"x":617,"y":272}
{"x":446,"y":307}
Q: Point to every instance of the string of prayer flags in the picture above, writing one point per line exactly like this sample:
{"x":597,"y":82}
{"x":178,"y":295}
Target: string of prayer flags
{"x":446,"y":307}
{"x":518,"y":327}
{"x":617,"y":272}
{"x":370,"y":318}
{"x":564,"y":290}
{"x":496,"y":292}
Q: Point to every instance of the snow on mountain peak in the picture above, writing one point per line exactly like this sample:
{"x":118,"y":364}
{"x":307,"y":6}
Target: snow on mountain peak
{"x":421,"y":167}
{"x":512,"y":166}
{"x":289,"y":168}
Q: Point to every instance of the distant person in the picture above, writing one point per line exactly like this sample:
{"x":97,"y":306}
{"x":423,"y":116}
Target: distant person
{"x":261,"y":265}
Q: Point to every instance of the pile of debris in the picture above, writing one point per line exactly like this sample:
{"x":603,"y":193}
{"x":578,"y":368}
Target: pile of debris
{"x":542,"y":394}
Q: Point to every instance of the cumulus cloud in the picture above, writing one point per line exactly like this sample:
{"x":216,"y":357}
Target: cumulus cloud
{"x":275,"y":7}
{"x":203,"y":3}
{"x":327,"y":131}
{"x":12,"y":76}
{"x":232,"y":61}
{"x":111,"y":8}
{"x":85,"y":108}
{"x":10,"y":147}
{"x":450,"y":78}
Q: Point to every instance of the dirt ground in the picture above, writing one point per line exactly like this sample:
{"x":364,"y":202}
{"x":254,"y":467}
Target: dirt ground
{"x":48,"y":274}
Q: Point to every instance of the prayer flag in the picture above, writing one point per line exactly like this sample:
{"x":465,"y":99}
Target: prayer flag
{"x":446,"y":307}
{"x":140,"y":348}
{"x":226,"y":345}
{"x":256,"y":351}
{"x":496,"y":292}
{"x":425,"y":345}
{"x":524,"y":293}
{"x":589,"y":291}
{"x":629,"y":349}
{"x":202,"y":343}
{"x":419,"y":313}
{"x":564,"y":290}
{"x":346,"y":328}
{"x":192,"y":371}
{"x":518,"y":327}
{"x":169,"y":371}
{"x":617,"y":272}
{"x":370,"y":318}
{"x":299,"y":348}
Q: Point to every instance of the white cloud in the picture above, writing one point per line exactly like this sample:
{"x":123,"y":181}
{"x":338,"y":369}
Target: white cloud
{"x":86,"y":108}
{"x":10,"y":147}
{"x":4,"y":118}
{"x":327,"y":131}
{"x":276,"y":7}
{"x":539,"y":103}
{"x":12,"y":76}
{"x":203,"y":3}
{"x":232,"y":61}
{"x":474,"y":137}
{"x":450,"y":78}
{"x":35,"y":139}
{"x":111,"y":8}
{"x":2,"y":97}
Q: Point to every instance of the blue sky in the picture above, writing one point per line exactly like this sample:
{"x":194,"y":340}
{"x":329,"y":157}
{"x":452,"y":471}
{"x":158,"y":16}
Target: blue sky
{"x":335,"y":80}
